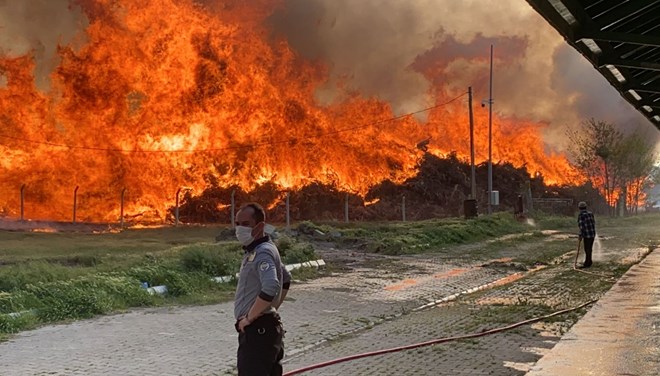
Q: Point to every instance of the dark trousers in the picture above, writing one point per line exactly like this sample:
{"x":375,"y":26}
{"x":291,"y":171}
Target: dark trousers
{"x":260,"y":347}
{"x":588,"y":250}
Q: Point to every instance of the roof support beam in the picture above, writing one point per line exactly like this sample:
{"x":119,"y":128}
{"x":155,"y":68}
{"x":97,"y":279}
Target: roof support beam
{"x":550,"y":14}
{"x":625,"y":56}
{"x":634,"y":64}
{"x":609,"y":36}
{"x":642,"y":88}
{"x":623,"y":12}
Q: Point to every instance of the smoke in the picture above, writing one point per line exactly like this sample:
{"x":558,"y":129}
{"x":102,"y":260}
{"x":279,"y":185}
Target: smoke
{"x":593,"y":96}
{"x":370,"y":46}
{"x":410,"y":52}
{"x":37,"y":27}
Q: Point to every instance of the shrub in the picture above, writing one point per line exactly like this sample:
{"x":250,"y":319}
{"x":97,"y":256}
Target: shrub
{"x":17,"y":276}
{"x":9,"y":324}
{"x":211,"y":259}
{"x":293,"y":251}
{"x":178,"y":282}
{"x":17,"y":301}
{"x":69,"y":300}
{"x":79,"y":298}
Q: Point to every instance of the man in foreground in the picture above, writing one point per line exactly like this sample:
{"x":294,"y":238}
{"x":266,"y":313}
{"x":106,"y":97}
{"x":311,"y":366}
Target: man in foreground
{"x":263,"y":283}
{"x":587,"y":226}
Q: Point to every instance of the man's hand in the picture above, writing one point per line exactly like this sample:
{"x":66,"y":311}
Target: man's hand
{"x":242,"y":323}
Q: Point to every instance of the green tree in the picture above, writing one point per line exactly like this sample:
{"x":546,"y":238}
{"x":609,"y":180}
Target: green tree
{"x":593,"y":148}
{"x":633,"y":162}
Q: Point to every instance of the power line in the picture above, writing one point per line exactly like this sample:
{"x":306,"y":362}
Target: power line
{"x":258,"y":144}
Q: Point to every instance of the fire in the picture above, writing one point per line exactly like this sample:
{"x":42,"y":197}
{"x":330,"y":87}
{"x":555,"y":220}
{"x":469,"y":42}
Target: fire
{"x":371,"y":202}
{"x":161,"y":94}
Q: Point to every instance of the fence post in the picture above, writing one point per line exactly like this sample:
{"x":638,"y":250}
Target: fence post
{"x":233,"y":209}
{"x":288,"y":213}
{"x":121,"y":210}
{"x":176,"y":208}
{"x":403,"y":208}
{"x":75,"y":203}
{"x":346,"y":209}
{"x":22,"y":201}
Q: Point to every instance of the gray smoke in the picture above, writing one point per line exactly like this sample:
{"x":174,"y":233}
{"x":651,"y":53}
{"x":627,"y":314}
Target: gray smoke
{"x":37,"y":26}
{"x":385,"y":48}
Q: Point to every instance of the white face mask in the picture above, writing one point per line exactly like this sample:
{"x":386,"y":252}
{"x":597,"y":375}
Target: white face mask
{"x":244,"y":234}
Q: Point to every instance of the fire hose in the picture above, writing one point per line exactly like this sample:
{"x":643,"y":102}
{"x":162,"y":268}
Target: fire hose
{"x":434,"y":341}
{"x":456,"y":338}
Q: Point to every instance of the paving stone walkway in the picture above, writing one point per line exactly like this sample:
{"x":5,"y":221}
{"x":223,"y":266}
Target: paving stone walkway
{"x":201,"y":340}
{"x":367,"y":307}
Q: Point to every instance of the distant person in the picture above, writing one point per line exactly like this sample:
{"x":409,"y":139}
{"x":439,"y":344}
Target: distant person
{"x":587,"y":225}
{"x":263,"y":284}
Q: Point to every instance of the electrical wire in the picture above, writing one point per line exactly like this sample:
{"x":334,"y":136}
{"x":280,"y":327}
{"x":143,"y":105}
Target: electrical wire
{"x":253,"y":145}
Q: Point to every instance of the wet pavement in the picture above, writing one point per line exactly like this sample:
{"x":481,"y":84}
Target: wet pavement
{"x":620,"y":335}
{"x":369,"y":305}
{"x":202,"y":341}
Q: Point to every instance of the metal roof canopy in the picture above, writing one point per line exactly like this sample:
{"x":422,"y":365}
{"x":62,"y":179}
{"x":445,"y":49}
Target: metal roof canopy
{"x":621,"y":38}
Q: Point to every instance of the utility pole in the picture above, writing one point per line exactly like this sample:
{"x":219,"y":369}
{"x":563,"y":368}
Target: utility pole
{"x":490,"y":136}
{"x":473,"y":185}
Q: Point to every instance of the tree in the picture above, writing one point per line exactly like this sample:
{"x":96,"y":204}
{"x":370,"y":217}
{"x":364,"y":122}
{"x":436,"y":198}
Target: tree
{"x":619,"y":165}
{"x":633,"y":162}
{"x":593,"y":148}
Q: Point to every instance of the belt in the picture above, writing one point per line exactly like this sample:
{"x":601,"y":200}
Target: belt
{"x":266,"y":319}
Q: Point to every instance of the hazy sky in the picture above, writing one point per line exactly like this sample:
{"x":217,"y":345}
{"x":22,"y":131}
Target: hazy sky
{"x":537,"y":75}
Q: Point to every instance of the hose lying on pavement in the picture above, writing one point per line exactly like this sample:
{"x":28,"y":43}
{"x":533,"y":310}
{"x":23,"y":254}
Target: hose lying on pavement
{"x":433,"y":342}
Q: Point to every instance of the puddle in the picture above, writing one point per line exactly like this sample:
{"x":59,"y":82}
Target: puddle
{"x":540,"y":351}
{"x":451,"y":273}
{"x":524,"y":367}
{"x":549,"y":329}
{"x":401,"y":285}
{"x":508,"y":279}
{"x":497,"y":300}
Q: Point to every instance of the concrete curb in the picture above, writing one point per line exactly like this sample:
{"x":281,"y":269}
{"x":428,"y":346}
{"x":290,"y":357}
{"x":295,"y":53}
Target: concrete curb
{"x":228,"y":278}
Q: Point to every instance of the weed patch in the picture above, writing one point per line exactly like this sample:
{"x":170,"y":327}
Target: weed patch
{"x":46,"y":289}
{"x":294,"y":251}
{"x":211,"y":259}
{"x":417,"y":237}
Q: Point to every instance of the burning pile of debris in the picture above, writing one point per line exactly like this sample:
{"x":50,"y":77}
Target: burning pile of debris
{"x":437,"y":190}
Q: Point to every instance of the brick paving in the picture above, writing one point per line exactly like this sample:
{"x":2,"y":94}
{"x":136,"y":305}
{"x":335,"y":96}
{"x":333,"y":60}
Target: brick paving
{"x":362,"y":309}
{"x":201,"y":340}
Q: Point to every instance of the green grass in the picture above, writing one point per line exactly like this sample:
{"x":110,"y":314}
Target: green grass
{"x":57,"y":277}
{"x":397,"y":238}
{"x":104,"y":250}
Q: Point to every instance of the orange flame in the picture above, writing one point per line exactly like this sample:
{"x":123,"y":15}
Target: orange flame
{"x":165,"y":94}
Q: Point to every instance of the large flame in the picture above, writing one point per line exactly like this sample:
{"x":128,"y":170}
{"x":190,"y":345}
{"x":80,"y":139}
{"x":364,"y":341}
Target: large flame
{"x":162,"y":94}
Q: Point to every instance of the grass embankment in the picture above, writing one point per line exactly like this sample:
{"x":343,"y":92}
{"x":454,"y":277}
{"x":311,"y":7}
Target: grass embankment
{"x":398,"y":238}
{"x":52,"y":277}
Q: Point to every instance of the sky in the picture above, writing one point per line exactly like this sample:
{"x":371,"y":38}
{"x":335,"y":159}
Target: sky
{"x":537,"y":75}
